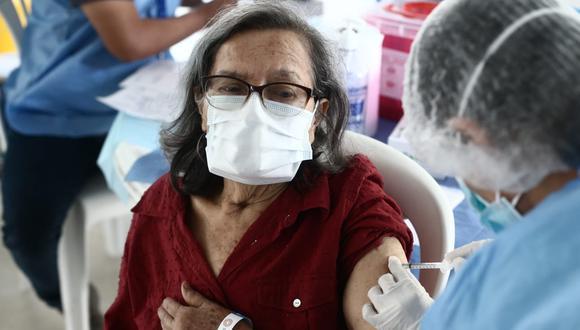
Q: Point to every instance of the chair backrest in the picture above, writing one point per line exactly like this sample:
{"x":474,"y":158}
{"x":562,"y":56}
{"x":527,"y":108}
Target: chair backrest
{"x":13,"y":20}
{"x":420,"y":198}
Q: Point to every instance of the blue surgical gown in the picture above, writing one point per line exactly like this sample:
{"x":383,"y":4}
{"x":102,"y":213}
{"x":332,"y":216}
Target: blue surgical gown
{"x":529,"y":278}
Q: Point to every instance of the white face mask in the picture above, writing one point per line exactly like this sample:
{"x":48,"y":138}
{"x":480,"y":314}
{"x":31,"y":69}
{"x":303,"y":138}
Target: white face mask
{"x":253,"y":146}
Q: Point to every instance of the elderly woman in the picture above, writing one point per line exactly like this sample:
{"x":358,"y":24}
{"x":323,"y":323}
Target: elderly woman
{"x":261,"y":214}
{"x":492,"y":97}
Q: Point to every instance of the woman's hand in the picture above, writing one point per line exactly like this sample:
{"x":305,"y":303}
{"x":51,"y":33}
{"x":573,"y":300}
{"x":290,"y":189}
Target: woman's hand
{"x":199,"y":313}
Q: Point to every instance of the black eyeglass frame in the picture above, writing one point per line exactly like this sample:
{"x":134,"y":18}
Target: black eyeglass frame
{"x":259,"y":89}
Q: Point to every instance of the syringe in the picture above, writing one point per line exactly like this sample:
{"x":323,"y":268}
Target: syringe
{"x":424,"y":265}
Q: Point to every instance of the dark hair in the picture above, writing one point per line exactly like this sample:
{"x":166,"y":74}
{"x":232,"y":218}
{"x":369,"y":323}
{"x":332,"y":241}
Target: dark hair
{"x":184,"y":140}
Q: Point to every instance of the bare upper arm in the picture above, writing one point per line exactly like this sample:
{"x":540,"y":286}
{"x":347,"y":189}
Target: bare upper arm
{"x":364,"y":276}
{"x":115,"y":22}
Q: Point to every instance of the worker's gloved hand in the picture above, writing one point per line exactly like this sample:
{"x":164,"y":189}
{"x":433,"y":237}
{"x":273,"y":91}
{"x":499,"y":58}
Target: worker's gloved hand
{"x":398,"y":302}
{"x":456,"y":258}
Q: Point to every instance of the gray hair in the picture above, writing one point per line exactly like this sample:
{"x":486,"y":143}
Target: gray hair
{"x":184,"y":141}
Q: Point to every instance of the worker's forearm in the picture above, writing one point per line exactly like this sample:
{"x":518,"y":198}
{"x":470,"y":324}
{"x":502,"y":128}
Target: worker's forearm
{"x":152,"y":36}
{"x":130,"y":37}
{"x":191,"y":3}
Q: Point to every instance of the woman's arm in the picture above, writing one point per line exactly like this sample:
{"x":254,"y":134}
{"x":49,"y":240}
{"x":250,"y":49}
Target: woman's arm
{"x":364,"y":276}
{"x":129,"y":37}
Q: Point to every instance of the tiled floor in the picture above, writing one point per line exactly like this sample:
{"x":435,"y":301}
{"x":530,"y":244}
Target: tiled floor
{"x":20,"y":309}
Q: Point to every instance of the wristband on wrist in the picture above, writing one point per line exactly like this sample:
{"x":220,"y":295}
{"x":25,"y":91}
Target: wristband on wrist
{"x":230,"y":321}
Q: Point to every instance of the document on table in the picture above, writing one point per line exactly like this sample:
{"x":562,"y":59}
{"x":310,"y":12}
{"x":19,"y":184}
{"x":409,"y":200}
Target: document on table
{"x":164,"y":75}
{"x":152,"y":92}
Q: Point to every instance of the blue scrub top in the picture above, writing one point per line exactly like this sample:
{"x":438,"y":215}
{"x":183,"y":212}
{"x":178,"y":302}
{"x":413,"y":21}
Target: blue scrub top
{"x":64,"y":67}
{"x":529,"y":278}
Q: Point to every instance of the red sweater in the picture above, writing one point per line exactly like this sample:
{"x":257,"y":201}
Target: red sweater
{"x":303,"y":246}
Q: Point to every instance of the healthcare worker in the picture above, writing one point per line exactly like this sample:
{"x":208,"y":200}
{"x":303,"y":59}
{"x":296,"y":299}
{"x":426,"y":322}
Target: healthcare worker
{"x":73,"y":51}
{"x":492,"y":96}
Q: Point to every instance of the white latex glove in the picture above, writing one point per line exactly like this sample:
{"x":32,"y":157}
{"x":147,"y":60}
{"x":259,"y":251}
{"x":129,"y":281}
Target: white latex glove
{"x":398,"y":302}
{"x":456,"y":258}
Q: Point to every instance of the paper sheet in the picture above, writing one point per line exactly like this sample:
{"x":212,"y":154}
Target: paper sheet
{"x":161,"y":75}
{"x":145,"y":103}
{"x":152,"y":92}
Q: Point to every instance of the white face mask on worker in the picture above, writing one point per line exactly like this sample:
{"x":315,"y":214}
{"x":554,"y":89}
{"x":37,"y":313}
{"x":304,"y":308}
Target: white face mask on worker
{"x":253,"y":146}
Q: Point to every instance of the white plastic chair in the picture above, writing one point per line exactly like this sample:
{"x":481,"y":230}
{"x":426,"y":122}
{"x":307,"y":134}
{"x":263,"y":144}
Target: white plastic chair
{"x":420,"y":198}
{"x":95,"y":204}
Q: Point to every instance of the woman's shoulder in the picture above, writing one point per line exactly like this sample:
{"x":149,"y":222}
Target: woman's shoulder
{"x":358,"y":170}
{"x":361,"y":163}
{"x":359,"y":176}
{"x":160,"y":200}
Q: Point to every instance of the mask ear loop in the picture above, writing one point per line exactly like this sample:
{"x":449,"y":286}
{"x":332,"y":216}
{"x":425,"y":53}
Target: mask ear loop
{"x":316,"y":121}
{"x":315,"y":113}
{"x":197,"y":147}
{"x":515,"y":200}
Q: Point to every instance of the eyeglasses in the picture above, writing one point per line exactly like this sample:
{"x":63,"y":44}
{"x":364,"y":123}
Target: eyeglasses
{"x":229,"y":93}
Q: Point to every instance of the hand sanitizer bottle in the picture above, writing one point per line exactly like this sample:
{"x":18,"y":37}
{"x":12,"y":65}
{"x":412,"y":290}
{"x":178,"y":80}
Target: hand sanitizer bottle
{"x":356,"y":74}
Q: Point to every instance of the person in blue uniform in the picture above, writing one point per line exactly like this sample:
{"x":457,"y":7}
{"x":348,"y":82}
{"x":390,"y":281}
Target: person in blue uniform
{"x":73,"y":51}
{"x":492,"y":97}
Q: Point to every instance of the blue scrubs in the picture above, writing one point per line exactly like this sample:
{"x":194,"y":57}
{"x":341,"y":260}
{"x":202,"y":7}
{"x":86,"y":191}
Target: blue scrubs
{"x":64,"y":67}
{"x":529,"y":278}
{"x":55,"y":129}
